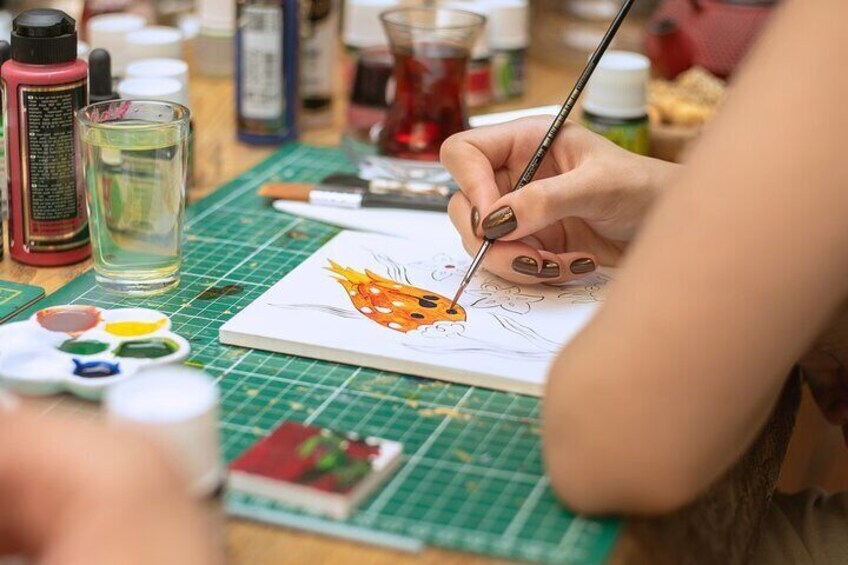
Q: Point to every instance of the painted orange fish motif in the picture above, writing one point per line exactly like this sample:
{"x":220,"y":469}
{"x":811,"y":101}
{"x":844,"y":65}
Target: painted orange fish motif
{"x":396,"y":306}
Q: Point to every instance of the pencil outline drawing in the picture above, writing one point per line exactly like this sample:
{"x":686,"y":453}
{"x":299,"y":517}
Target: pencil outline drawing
{"x":508,"y":297}
{"x":589,"y":291}
{"x":441,"y":267}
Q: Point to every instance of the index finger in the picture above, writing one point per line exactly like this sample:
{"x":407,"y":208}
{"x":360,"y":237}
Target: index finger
{"x":472,"y":157}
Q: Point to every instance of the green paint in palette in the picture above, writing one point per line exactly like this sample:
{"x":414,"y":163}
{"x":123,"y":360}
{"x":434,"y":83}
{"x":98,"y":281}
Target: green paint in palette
{"x":83,"y":347}
{"x":153,"y":348}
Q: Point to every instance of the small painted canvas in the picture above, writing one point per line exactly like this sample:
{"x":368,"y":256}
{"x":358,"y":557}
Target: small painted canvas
{"x":316,"y":469}
{"x":384,"y":302}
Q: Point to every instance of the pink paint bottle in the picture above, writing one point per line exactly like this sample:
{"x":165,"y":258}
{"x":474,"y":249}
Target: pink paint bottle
{"x":44,"y":84}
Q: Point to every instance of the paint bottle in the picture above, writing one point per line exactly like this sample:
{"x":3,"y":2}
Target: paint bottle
{"x":45,"y":84}
{"x":5,"y":23}
{"x":178,"y":408}
{"x":154,"y":42}
{"x":479,"y":82}
{"x":175,"y":69}
{"x":362,"y":29}
{"x":94,"y":8}
{"x":317,"y":60}
{"x":267,"y":52}
{"x":172,"y":88}
{"x":100,"y":77}
{"x":214,"y":44}
{"x":615,"y":102}
{"x":5,"y":53}
{"x":109,"y":32}
{"x":369,"y":93}
{"x":507,"y":30}
{"x":478,"y":88}
{"x":83,"y":49}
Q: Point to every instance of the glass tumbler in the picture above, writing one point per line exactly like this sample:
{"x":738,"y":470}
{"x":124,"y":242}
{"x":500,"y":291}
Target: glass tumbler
{"x":134,"y":156}
{"x":431,"y":48}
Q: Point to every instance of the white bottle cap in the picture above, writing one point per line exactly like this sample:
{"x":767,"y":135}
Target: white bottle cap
{"x":5,"y":26}
{"x":109,"y":32}
{"x":480,"y":50}
{"x":154,"y":88}
{"x":508,"y":26}
{"x":159,"y":68}
{"x":154,"y":42}
{"x":362,"y":26}
{"x":189,"y":24}
{"x":618,"y":87}
{"x":178,"y":408}
{"x":83,"y":50}
{"x":217,"y":16}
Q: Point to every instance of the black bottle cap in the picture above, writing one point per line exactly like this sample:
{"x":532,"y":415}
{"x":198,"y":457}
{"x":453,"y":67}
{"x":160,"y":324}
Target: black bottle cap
{"x":100,"y":76}
{"x":44,"y":37}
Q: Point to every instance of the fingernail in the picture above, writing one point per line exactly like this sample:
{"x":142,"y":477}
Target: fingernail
{"x":525,"y":266}
{"x":475,"y":219}
{"x":499,"y":223}
{"x":550,"y":270}
{"x":582,"y":266}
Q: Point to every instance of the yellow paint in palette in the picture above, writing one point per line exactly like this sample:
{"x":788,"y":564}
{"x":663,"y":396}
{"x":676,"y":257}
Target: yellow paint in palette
{"x":133,"y":328}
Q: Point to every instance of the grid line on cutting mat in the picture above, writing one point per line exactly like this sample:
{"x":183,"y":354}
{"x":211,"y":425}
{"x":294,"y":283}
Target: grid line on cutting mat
{"x":472,"y":477}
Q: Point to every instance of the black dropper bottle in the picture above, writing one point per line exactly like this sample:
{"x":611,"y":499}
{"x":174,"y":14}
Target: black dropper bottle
{"x":100,"y":77}
{"x":5,"y":55}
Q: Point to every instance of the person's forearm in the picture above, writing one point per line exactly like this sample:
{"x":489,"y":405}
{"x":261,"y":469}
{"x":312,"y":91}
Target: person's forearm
{"x":735,"y":274}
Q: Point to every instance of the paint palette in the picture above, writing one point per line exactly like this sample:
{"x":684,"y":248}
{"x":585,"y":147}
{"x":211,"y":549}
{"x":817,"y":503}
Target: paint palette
{"x":85,"y":349}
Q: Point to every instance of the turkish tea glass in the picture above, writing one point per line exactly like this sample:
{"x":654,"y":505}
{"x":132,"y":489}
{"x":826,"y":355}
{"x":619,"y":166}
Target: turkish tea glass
{"x":134,"y":156}
{"x":431,"y":48}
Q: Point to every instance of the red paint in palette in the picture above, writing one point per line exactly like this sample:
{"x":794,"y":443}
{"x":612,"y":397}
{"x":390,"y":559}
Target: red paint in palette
{"x":72,"y":320}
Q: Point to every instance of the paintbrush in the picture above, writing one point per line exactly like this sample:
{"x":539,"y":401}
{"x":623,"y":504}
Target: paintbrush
{"x":350,"y":191}
{"x":547,"y":141}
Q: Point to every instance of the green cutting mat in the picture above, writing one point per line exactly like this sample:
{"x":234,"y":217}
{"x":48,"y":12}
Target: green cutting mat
{"x":14,"y":297}
{"x":472,"y":477}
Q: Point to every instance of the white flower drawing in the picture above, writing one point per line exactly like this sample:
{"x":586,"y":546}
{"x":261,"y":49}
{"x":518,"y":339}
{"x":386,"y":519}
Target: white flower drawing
{"x":441,"y":266}
{"x":589,"y":291}
{"x":510,"y":298}
{"x":439,"y":330}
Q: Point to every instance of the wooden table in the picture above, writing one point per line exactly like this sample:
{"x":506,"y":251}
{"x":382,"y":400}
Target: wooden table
{"x":219,"y":158}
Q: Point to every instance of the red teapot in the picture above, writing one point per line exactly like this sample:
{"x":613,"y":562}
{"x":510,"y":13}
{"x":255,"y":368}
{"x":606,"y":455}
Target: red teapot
{"x":714,"y":34}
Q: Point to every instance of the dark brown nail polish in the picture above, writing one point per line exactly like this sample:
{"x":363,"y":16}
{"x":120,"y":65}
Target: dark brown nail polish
{"x":475,"y":219}
{"x":525,"y":266}
{"x":550,"y":270}
{"x":499,"y":223}
{"x":582,"y":266}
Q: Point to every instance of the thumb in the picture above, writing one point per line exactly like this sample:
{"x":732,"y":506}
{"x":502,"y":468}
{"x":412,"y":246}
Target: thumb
{"x":534,"y":207}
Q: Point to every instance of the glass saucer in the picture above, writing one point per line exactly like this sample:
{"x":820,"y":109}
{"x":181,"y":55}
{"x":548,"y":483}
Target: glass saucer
{"x":361,"y":148}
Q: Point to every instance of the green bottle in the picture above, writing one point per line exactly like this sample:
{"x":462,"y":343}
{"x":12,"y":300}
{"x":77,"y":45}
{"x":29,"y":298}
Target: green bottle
{"x":615,"y":104}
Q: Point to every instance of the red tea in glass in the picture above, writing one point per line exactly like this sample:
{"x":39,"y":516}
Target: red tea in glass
{"x":429,"y":104}
{"x":431,"y":48}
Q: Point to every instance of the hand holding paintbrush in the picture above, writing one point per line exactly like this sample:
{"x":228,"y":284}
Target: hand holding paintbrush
{"x":586,"y":203}
{"x":506,"y":217}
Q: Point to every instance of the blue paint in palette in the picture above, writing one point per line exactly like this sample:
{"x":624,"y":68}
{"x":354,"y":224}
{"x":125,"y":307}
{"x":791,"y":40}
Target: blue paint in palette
{"x":95,"y":369}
